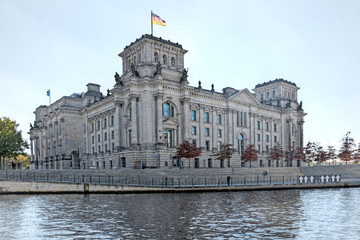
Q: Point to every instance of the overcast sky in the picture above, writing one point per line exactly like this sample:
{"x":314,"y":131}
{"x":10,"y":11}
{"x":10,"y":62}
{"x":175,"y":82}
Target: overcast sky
{"x":63,"y":44}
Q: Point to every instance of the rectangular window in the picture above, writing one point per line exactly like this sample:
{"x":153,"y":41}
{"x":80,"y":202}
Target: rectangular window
{"x":275,"y":138}
{"x":219,"y":132}
{"x":258,"y":125}
{"x":258,"y":137}
{"x":105,"y":123}
{"x":245,"y":117}
{"x":267,"y":95}
{"x":207,"y":145}
{"x":258,"y":148}
{"x":219,"y":118}
{"x":106,"y":148}
{"x":267,"y":149}
{"x":193,"y":130}
{"x":98,"y":125}
{"x":275,"y":127}
{"x":274,"y":94}
{"x":207,"y":132}
{"x":113,"y":146}
{"x":99,"y":138}
{"x":112,"y":120}
{"x":105,"y":136}
{"x":92,"y":127}
{"x":193,"y":115}
{"x":93,"y":150}
{"x":267,"y":126}
{"x":194,"y":142}
{"x":267,"y":138}
{"x":112,"y":134}
{"x":207,"y":117}
{"x":92,"y":139}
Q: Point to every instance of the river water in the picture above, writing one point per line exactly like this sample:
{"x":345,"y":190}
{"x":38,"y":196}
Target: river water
{"x":294,"y":214}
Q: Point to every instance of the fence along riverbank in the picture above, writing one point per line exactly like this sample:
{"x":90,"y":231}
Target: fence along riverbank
{"x":155,"y":180}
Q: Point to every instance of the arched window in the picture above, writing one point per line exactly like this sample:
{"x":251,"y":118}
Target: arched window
{"x":134,"y":60}
{"x":173,"y":61}
{"x":164,"y":59}
{"x":168,"y":110}
{"x":156,"y":58}
{"x":241,"y":147}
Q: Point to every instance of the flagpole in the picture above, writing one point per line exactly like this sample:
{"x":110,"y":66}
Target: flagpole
{"x":151,"y":23}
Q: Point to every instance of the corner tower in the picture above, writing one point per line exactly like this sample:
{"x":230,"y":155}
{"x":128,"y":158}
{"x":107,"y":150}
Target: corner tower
{"x":150,"y":56}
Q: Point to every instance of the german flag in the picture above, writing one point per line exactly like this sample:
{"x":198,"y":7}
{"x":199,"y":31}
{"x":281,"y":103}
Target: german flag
{"x":155,"y":19}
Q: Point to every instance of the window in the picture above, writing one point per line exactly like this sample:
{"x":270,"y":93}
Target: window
{"x":207,"y":132}
{"x":98,"y":125}
{"x":258,"y":137}
{"x":241,"y":147}
{"x":113,"y":146}
{"x":274,"y":93}
{"x":207,"y":117}
{"x":258,"y":125}
{"x":168,"y":138}
{"x":168,"y":110}
{"x":209,"y":163}
{"x":112,"y":120}
{"x":193,"y":115}
{"x":194,"y":142}
{"x":267,"y":138}
{"x":207,"y":145}
{"x":258,"y":148}
{"x":93,"y":150}
{"x":112,"y":134}
{"x":156,"y":59}
{"x":106,"y":148}
{"x":105,"y":123}
{"x":262,"y":96}
{"x":98,"y":137}
{"x":99,"y":149}
{"x":92,"y":127}
{"x":92,"y":139}
{"x":193,"y":130}
{"x":275,"y":127}
{"x":164,"y":59}
{"x":267,"y":95}
{"x":275,"y":138}
{"x":219,"y":132}
{"x":173,"y":61}
{"x":105,"y":136}
{"x":219,"y":118}
{"x":267,"y":126}
{"x":267,"y":149}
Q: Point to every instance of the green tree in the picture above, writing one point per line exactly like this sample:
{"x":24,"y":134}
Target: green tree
{"x":11,"y":142}
{"x":225,"y":153}
{"x":188,"y":150}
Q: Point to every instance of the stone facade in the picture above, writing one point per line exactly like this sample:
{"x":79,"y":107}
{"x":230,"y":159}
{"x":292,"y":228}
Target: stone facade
{"x":152,"y":109}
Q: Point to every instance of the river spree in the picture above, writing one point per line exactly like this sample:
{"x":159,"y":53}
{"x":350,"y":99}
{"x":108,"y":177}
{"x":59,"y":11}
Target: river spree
{"x":294,"y":214}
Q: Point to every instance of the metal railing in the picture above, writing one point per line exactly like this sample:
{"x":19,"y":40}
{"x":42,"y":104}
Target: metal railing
{"x":126,"y":180}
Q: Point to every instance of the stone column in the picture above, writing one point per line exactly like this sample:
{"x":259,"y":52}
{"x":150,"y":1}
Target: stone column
{"x":301,"y":133}
{"x":118,"y":126}
{"x":32,"y":150}
{"x":201,"y":126}
{"x":159,"y":119}
{"x":214,"y":132}
{"x":134,"y":135}
{"x":186,"y":121}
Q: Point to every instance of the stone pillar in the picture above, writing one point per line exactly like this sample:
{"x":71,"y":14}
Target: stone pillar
{"x":214,"y":128}
{"x":186,"y":119}
{"x":117,"y":123}
{"x":32,"y":150}
{"x":201,"y":126}
{"x":301,"y":133}
{"x":134,"y":133}
{"x":159,"y":119}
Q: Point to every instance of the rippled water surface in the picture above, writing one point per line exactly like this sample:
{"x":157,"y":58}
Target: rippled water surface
{"x":294,"y":214}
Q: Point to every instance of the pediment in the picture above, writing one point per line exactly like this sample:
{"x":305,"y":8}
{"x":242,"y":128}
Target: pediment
{"x":245,"y":96}
{"x":170,"y":122}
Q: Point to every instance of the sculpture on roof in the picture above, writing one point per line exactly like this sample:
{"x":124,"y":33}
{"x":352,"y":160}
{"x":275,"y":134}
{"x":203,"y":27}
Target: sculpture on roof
{"x":133,"y":70}
{"x":184,"y":75}
{"x":158,"y":69}
{"x":299,"y":108}
{"x":118,"y":79}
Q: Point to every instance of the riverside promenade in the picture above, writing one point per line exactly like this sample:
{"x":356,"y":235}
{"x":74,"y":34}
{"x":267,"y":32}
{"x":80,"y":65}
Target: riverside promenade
{"x":177,"y":180}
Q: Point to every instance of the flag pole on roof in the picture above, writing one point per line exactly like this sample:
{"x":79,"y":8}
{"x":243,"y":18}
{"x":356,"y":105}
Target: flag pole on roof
{"x":155,"y":19}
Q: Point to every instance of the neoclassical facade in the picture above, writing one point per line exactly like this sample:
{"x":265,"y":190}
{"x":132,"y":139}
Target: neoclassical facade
{"x":152,"y":109}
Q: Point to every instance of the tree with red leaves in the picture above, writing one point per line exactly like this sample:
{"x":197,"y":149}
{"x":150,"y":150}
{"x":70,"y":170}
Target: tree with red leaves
{"x":276,"y":153}
{"x":250,"y":154}
{"x":346,"y":151}
{"x":225,"y":153}
{"x":188,"y":150}
{"x":331,"y":154}
{"x":300,"y":154}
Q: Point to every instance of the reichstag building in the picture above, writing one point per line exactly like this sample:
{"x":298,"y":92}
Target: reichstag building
{"x":152,"y":109}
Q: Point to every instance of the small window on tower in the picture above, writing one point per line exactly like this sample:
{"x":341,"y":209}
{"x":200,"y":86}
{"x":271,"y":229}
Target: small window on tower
{"x":173,"y":61}
{"x":156,"y":59}
{"x":164,"y":59}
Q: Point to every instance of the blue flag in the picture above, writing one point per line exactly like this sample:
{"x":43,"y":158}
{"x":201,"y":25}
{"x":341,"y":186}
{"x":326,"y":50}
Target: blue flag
{"x":48,"y":93}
